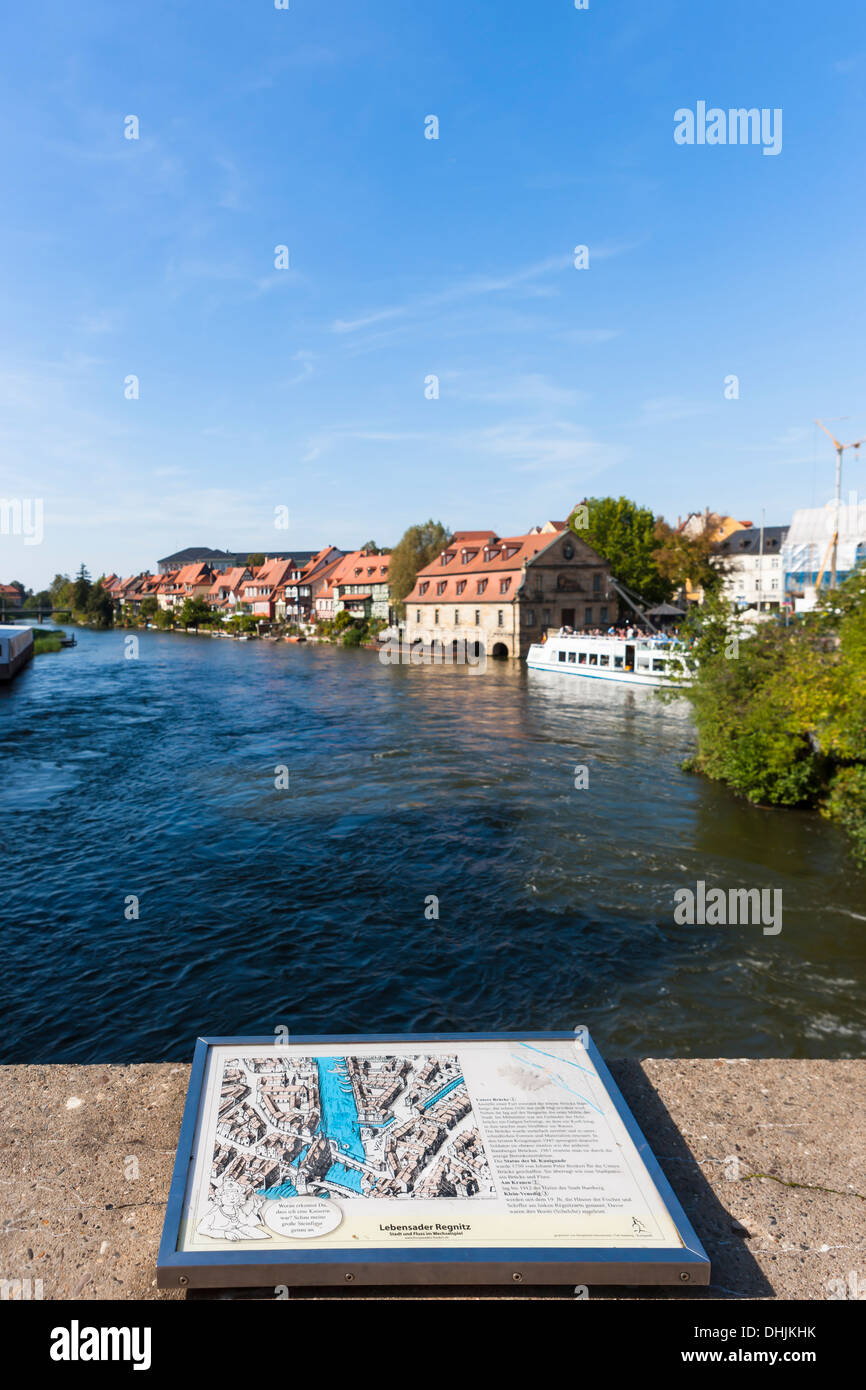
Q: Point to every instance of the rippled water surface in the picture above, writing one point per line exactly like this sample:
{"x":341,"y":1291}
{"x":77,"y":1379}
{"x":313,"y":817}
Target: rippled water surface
{"x":306,"y":908}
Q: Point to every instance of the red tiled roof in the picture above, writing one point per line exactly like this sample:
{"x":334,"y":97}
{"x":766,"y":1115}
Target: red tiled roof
{"x":193,"y":574}
{"x":373,"y":569}
{"x":229,"y":579}
{"x":273,"y":572}
{"x":488,"y":557}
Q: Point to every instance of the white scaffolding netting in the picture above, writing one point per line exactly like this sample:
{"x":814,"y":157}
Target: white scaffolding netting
{"x":807,"y":546}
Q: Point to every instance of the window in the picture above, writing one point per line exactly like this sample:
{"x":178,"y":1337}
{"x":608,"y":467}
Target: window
{"x":596,"y":583}
{"x":581,"y":658}
{"x":593,"y":658}
{"x":436,"y":617}
{"x":562,"y":656}
{"x":587,"y":616}
{"x":499,"y":619}
{"x":545,"y":617}
{"x":478,"y":617}
{"x":461,"y":585}
{"x":530,"y":617}
{"x":617,"y":661}
{"x":659,"y":665}
{"x":482,"y":585}
{"x":422,"y":588}
{"x":604,"y":661}
{"x":643,"y":663}
{"x":456,"y":617}
{"x":571,"y":657}
{"x":603,"y":614}
{"x":504,"y":586}
{"x":539,"y":584}
{"x":417,"y":615}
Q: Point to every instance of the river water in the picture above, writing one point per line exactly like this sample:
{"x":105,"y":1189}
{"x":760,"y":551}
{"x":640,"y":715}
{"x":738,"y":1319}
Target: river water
{"x":153,"y":779}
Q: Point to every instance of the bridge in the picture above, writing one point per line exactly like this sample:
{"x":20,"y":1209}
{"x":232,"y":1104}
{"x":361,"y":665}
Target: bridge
{"x":9,"y":615}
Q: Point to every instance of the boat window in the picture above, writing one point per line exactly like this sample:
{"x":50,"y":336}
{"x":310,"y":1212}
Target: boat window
{"x":643,"y":663}
{"x":604,"y":661}
{"x":581,"y":658}
{"x":593,"y":658}
{"x":571,"y":656}
{"x":562,"y":656}
{"x":659,"y":665}
{"x":617,"y":661}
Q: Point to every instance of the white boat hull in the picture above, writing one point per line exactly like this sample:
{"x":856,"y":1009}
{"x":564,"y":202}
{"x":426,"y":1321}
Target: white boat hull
{"x":618,"y":660}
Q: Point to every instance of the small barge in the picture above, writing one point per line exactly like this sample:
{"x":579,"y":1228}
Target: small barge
{"x":16,"y":649}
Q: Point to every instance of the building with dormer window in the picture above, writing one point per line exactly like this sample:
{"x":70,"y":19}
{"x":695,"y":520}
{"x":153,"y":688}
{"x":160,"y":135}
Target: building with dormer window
{"x":502,"y":593}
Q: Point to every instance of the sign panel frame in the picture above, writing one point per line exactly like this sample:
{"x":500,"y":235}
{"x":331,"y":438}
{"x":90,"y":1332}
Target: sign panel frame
{"x":419,"y":1264}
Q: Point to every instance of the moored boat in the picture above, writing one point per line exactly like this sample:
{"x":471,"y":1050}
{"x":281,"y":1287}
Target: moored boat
{"x":652,"y":661}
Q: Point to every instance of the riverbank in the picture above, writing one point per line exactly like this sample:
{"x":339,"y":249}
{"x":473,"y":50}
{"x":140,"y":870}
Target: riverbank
{"x":87,"y":1155}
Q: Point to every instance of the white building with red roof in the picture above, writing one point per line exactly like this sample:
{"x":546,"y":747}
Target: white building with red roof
{"x":258,"y":593}
{"x":360,"y":586}
{"x":297,"y":601}
{"x":501,"y":593}
{"x":224,"y":592}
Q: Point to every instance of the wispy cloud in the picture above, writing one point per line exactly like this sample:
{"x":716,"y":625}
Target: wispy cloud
{"x":526,"y":388}
{"x":668,"y":410}
{"x":466,"y":289}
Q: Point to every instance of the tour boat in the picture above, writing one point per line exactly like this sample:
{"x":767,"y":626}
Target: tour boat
{"x":632,"y":660}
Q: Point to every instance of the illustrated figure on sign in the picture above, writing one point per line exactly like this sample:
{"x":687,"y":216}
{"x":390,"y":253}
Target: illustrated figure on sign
{"x":637,"y":1227}
{"x":232,"y":1215}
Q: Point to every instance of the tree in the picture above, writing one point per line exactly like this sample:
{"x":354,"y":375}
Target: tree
{"x":80,"y":590}
{"x":255,"y":561}
{"x":372,"y":548}
{"x":417,"y":547}
{"x":781,"y":715}
{"x":99,"y":607}
{"x":624,"y":533}
{"x":195,"y":613}
{"x":342,"y":620}
{"x":681,"y":557}
{"x":59,"y":590}
{"x":148,"y":607}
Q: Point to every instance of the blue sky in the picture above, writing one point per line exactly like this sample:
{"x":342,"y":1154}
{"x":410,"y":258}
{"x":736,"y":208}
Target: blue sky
{"x":304,"y":388}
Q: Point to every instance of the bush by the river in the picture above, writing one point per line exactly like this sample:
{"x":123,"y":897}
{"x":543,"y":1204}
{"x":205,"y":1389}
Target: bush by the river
{"x":47,"y":639}
{"x":781,"y":715}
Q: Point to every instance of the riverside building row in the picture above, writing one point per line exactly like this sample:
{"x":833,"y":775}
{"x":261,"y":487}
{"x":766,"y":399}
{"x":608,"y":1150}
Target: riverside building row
{"x":308,"y":589}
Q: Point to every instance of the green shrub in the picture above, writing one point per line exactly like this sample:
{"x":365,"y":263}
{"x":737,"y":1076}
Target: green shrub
{"x":847,"y":805}
{"x":781,"y":715}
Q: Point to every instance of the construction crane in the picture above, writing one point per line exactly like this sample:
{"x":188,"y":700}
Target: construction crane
{"x":834,"y":544}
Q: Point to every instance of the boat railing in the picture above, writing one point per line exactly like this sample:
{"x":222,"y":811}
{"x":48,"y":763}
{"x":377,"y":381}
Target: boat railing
{"x":641,"y":639}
